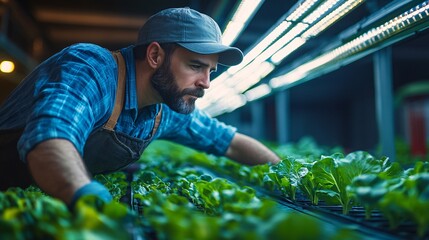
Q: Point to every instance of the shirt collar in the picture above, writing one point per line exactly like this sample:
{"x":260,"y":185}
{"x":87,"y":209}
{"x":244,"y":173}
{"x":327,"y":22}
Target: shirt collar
{"x":131,"y":90}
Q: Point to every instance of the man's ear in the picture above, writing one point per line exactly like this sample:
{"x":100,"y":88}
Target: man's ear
{"x":155,"y":55}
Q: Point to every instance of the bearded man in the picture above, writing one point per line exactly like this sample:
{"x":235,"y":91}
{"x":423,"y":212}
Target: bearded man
{"x":87,"y":110}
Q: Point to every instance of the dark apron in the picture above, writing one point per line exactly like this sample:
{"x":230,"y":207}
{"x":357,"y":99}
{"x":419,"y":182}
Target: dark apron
{"x":105,"y":150}
{"x":13,"y":171}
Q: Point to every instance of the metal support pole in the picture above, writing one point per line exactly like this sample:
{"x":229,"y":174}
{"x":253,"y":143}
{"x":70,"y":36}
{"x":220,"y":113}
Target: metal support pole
{"x":257,"y":108}
{"x":384,"y":101}
{"x":282,"y":116}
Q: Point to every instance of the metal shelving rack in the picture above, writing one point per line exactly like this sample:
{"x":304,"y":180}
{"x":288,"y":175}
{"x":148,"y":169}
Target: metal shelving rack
{"x":372,"y":36}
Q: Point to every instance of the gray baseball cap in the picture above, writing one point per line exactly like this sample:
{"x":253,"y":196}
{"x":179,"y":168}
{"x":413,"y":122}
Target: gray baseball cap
{"x":190,"y":29}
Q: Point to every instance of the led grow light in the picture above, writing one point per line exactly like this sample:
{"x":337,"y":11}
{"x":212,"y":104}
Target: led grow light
{"x":301,"y":10}
{"x":278,"y":44}
{"x":227,"y":104}
{"x":274,"y":34}
{"x":286,"y":50}
{"x":320,"y":11}
{"x":367,"y":40}
{"x":250,"y":78}
{"x":241,"y":17}
{"x":331,"y":18}
{"x":294,"y":32}
{"x":258,"y":92}
{"x":261,"y":46}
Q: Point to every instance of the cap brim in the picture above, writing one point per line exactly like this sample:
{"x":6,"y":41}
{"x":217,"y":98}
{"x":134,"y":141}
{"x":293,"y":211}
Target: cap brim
{"x":228,"y":56}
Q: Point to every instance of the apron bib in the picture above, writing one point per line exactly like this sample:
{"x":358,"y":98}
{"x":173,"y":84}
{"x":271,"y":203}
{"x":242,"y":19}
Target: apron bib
{"x":107,"y":150}
{"x":13,"y":171}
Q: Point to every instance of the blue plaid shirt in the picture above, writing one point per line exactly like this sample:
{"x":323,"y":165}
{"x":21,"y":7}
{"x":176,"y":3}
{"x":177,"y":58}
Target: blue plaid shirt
{"x":73,"y":92}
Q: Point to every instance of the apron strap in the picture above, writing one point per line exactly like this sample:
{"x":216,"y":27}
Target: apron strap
{"x":120,"y":92}
{"x":157,"y":121}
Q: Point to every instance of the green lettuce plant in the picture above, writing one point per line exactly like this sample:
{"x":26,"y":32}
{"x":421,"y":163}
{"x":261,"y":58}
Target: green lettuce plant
{"x":334,"y":173}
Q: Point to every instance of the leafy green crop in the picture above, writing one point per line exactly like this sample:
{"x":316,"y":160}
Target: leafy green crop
{"x":116,"y":183}
{"x":402,"y":196}
{"x":410,"y":202}
{"x":289,"y":175}
{"x":318,"y":173}
{"x":176,"y":196}
{"x":334,"y":173}
{"x":369,"y":189}
{"x":29,"y":214}
{"x":217,"y":209}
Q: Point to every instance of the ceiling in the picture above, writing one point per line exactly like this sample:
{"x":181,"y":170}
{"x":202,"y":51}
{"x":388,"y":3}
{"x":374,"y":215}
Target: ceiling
{"x":114,"y":23}
{"x":111,"y":23}
{"x":43,"y":27}
{"x":37,"y":29}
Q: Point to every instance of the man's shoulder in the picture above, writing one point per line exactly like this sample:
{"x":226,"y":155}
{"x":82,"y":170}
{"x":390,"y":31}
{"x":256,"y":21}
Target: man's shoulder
{"x":85,"y":47}
{"x":85,"y":51}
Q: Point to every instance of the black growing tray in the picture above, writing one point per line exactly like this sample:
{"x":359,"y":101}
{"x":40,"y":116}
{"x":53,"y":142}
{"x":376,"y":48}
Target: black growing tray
{"x":376,"y":227}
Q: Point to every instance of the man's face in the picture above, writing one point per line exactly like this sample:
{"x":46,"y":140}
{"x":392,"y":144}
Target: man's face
{"x":182,"y":80}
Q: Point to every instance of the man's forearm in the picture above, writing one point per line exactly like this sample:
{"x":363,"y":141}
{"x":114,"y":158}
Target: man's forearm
{"x":57,"y":168}
{"x":247,"y":150}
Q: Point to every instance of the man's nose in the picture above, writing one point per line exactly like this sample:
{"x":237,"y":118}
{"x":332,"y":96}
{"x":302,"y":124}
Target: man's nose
{"x":204,"y":81}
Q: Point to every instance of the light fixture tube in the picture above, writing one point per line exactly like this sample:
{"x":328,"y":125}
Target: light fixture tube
{"x":239,"y":20}
{"x":364,"y":41}
{"x":258,"y":92}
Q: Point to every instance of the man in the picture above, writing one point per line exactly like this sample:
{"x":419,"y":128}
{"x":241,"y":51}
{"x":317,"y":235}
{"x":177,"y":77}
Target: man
{"x":86,"y":110}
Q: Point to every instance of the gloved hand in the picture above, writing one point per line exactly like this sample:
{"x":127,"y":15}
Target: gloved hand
{"x":92,"y":188}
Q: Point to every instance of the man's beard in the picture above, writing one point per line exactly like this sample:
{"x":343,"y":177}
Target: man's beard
{"x":164,"y":82}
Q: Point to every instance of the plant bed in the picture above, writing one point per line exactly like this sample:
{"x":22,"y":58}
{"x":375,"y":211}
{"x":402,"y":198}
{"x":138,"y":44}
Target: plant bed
{"x":368,"y":191}
{"x":178,"y":193}
{"x":185,"y":197}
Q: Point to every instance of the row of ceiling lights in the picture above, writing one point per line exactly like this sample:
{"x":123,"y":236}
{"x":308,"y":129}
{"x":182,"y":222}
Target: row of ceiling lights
{"x":306,"y":20}
{"x":229,"y":90}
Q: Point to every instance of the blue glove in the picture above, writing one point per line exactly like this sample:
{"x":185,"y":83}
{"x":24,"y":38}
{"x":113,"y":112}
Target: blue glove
{"x":92,"y":188}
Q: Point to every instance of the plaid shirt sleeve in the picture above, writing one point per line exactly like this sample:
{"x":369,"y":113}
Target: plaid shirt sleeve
{"x":73,"y":91}
{"x":196,"y":130}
